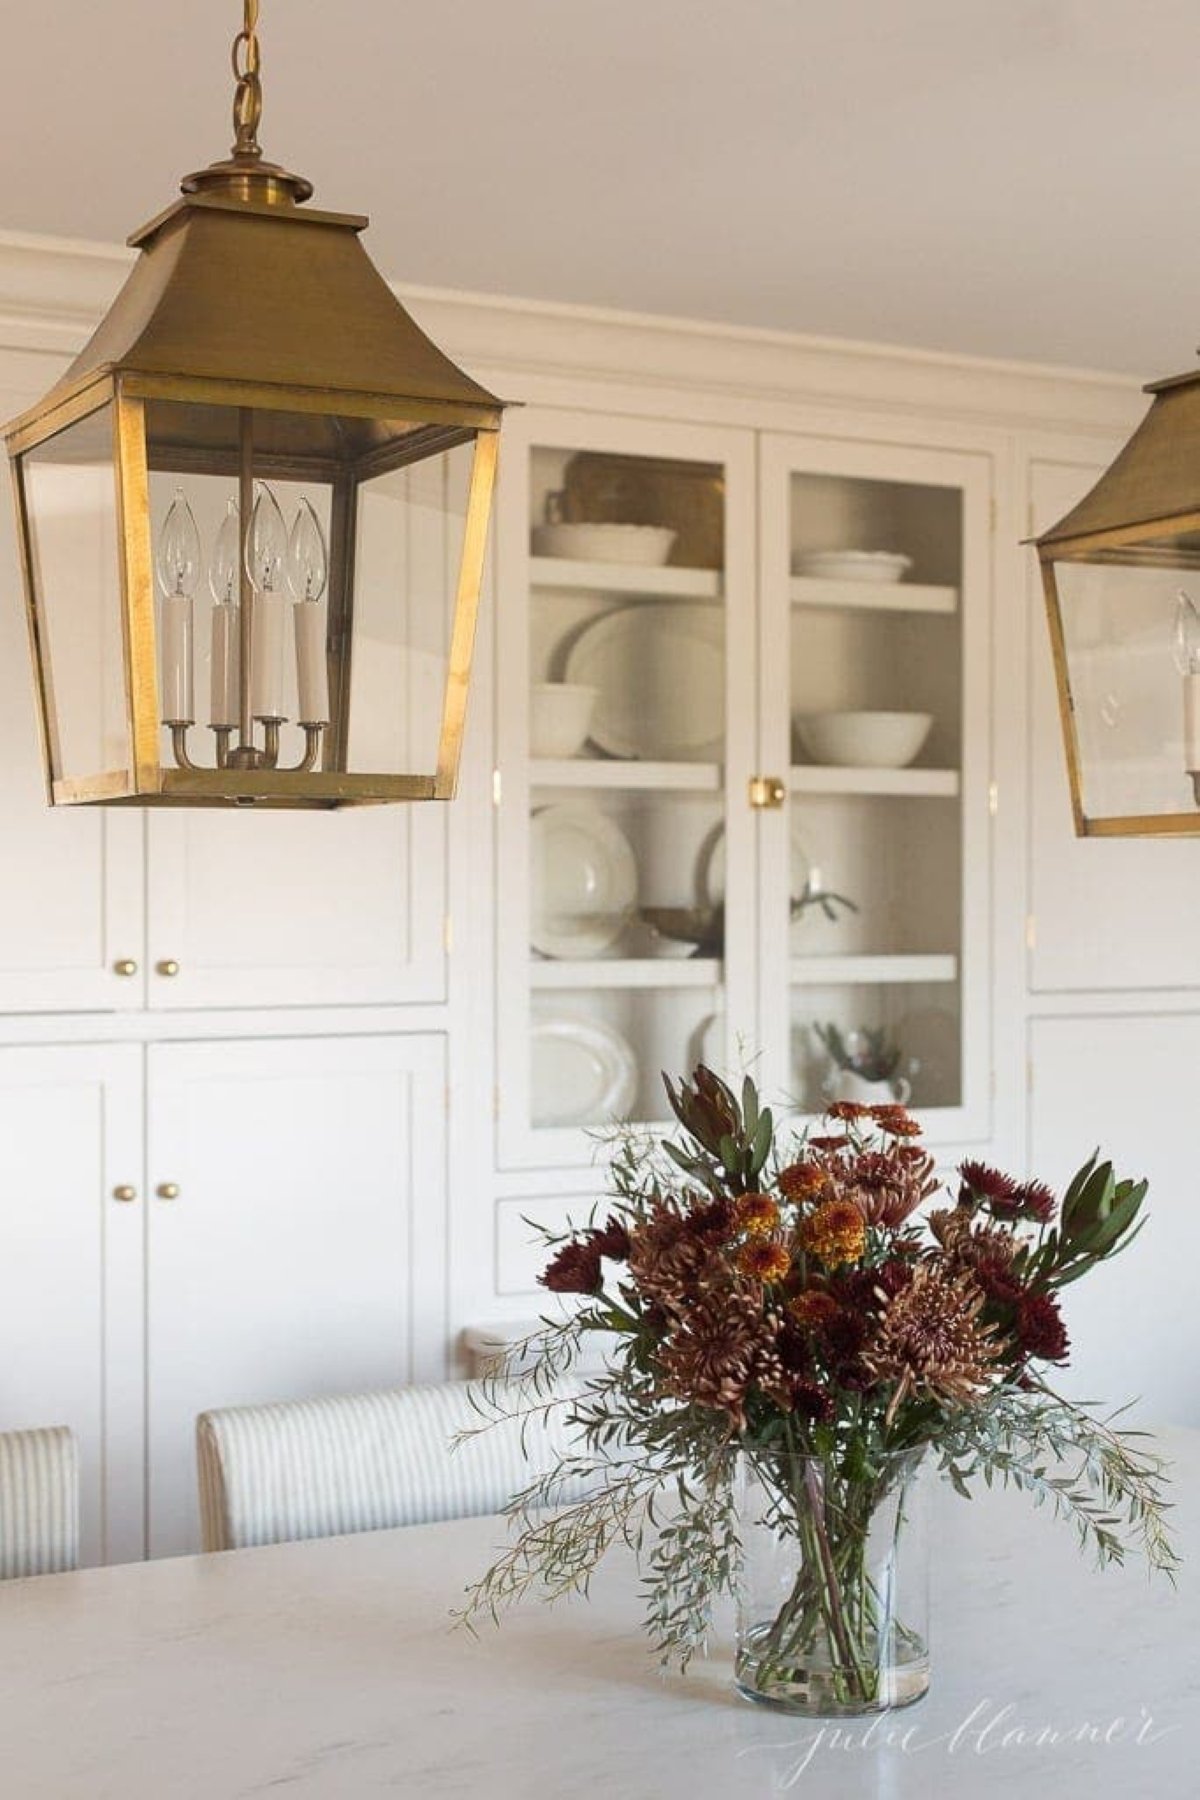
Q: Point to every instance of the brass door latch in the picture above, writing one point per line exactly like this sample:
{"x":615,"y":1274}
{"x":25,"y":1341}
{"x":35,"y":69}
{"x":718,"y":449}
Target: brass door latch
{"x":767,"y":792}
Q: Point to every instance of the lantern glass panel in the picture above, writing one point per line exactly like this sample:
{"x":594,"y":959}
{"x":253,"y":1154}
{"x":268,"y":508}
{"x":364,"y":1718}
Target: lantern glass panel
{"x":1121,"y":624}
{"x":71,"y":510}
{"x":410,"y":529}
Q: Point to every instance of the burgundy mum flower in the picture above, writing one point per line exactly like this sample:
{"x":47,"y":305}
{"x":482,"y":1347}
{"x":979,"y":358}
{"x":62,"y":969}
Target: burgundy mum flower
{"x":980,"y":1182}
{"x":1040,"y":1329}
{"x":612,"y":1241}
{"x":847,"y":1110}
{"x":574,"y":1270}
{"x":1036,"y":1201}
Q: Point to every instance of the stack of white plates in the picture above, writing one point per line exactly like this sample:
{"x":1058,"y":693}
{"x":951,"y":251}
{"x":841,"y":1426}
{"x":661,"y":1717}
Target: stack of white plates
{"x":854,"y":565}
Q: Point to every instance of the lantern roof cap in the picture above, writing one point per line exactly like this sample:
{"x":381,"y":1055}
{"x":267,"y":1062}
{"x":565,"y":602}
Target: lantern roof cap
{"x":1155,"y":478}
{"x":237,"y":282}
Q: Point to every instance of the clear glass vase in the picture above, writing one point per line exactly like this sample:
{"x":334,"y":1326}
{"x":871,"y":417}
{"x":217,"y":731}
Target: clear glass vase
{"x":833,"y":1594}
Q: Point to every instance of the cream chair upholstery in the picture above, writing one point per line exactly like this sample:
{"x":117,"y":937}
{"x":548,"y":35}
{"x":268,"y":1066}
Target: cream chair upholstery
{"x":361,"y":1462}
{"x":39,"y":1502}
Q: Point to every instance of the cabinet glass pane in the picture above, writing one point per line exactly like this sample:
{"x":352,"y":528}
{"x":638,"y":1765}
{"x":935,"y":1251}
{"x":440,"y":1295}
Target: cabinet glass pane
{"x":875,"y":686}
{"x":626,"y":719}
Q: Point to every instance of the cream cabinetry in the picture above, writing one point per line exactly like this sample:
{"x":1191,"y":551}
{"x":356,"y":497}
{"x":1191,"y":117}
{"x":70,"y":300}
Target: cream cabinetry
{"x":238,"y":1221}
{"x":697,"y":878}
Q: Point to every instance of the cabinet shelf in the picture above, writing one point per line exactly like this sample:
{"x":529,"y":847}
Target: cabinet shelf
{"x":825,"y":778}
{"x":627,"y":972}
{"x":657,"y":583}
{"x":872,"y":596}
{"x":593,"y":772}
{"x":858,"y":971}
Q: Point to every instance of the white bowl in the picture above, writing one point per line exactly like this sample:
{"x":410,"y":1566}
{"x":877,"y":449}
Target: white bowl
{"x":559,"y":715}
{"x":863,"y":740}
{"x":649,"y":545}
{"x":854,"y":565}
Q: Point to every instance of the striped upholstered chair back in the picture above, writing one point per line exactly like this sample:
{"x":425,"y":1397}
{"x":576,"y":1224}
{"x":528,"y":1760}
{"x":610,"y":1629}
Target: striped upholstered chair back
{"x":361,"y":1462}
{"x":39,"y":1502}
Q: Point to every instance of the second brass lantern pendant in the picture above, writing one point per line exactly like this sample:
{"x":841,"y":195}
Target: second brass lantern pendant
{"x":253,"y":514}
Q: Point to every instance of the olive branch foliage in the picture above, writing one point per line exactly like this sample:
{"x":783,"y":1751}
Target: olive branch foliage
{"x":657,"y":1474}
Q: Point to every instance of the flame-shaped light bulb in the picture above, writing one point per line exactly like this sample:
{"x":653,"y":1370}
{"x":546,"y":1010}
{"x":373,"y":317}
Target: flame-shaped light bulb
{"x":308,"y":560}
{"x":1187,"y":634}
{"x":266,"y":543}
{"x":225,"y":560}
{"x":266,"y":551}
{"x":224,"y":581}
{"x":177,"y":563}
{"x":308,"y":573}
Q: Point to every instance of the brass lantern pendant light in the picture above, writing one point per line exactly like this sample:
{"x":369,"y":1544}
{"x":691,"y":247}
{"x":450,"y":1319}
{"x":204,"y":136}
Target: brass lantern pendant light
{"x":1122,"y":581}
{"x":253,"y":514}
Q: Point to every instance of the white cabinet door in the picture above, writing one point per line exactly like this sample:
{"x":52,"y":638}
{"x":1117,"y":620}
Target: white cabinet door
{"x":874,"y":879}
{"x":311,"y":1194}
{"x":71,"y":1223}
{"x":71,"y":888}
{"x":1129,"y":1083}
{"x":1106,"y":913}
{"x":297,"y":909}
{"x":611,"y":840}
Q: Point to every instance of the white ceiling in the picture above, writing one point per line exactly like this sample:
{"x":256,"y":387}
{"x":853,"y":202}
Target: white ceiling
{"x":1018,"y":178}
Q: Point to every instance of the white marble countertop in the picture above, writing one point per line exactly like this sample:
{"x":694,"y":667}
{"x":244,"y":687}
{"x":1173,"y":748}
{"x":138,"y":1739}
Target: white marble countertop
{"x":327,"y":1671}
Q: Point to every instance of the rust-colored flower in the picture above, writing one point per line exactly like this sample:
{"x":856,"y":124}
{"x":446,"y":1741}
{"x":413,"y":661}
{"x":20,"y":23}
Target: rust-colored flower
{"x":802,"y":1181}
{"x":829,"y":1142}
{"x":723,"y":1346}
{"x":896,"y":1121}
{"x":813,"y":1308}
{"x":756,"y":1214}
{"x":764,"y":1259}
{"x":847,"y":1110}
{"x":574,"y":1269}
{"x":674,"y":1253}
{"x":929,"y":1339}
{"x":887,"y":1187}
{"x":1040,"y":1329}
{"x":836,"y":1232}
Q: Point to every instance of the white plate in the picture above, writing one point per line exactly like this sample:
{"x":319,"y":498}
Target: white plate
{"x":660,"y":671}
{"x":583,"y":881}
{"x":710,"y":874}
{"x":854,"y":565}
{"x":582,"y":1072}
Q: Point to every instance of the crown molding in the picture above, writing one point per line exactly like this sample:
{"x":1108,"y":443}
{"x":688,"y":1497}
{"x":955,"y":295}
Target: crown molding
{"x":53,"y":292}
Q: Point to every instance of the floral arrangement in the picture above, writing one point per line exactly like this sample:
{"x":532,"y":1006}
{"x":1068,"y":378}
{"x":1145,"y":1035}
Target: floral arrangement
{"x":768,"y":1302}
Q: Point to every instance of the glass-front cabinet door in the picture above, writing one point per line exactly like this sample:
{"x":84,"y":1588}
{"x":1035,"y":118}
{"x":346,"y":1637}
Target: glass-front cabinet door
{"x":626,"y":741}
{"x":874,"y":606}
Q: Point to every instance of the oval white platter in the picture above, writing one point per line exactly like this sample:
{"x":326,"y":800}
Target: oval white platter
{"x":583,"y":881}
{"x":582,"y":1072}
{"x":660,"y":675}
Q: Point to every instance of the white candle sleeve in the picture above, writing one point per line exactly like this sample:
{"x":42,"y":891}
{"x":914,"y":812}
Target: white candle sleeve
{"x":224,"y":698}
{"x":266,"y":660}
{"x":178,"y":701}
{"x":1191,"y":723}
{"x":312,"y":674}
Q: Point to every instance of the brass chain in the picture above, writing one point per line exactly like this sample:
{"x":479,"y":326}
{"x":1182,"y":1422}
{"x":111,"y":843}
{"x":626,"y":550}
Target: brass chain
{"x":247,"y":99}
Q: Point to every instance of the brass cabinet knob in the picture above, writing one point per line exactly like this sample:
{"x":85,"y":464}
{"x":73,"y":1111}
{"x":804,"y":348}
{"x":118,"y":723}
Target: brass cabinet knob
{"x":126,"y":966}
{"x":167,"y":1190}
{"x":167,"y":967}
{"x":124,"y":1192}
